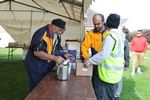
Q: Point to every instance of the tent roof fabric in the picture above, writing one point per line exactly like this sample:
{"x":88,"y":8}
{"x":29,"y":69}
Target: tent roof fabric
{"x":21,"y":18}
{"x":70,"y":9}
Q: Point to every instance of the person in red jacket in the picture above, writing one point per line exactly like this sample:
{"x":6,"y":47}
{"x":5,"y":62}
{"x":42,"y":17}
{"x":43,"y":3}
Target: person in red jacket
{"x":138,"y":49}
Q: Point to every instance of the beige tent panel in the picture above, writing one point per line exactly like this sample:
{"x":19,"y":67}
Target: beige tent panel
{"x":22,"y":17}
{"x":18,"y":34}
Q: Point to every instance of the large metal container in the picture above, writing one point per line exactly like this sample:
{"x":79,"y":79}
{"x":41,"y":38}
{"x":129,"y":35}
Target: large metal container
{"x":63,"y":70}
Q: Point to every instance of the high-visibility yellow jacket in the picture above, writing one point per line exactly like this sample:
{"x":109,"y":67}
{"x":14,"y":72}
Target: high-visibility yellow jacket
{"x":94,"y":41}
{"x":111,"y":69}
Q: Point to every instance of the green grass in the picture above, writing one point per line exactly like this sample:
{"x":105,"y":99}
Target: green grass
{"x":4,"y":54}
{"x":14,"y":83}
{"x":13,"y":77}
{"x":137,"y":87}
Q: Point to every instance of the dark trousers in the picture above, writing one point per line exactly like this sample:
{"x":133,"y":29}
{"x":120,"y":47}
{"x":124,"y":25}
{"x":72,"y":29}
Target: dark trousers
{"x":34,"y":79}
{"x":104,"y":91}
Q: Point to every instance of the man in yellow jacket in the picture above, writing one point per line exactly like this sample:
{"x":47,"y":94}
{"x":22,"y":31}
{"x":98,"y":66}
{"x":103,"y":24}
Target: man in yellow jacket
{"x":110,"y":61}
{"x":93,"y":40}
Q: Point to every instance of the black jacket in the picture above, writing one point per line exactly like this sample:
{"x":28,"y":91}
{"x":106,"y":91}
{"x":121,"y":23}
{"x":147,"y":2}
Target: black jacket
{"x":126,"y":53}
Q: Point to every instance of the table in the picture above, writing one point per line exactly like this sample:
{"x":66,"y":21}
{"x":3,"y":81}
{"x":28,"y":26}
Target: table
{"x":11,"y":50}
{"x":76,"y":88}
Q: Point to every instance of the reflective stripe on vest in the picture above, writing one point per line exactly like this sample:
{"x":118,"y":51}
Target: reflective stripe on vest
{"x":115,"y":68}
{"x":111,"y":69}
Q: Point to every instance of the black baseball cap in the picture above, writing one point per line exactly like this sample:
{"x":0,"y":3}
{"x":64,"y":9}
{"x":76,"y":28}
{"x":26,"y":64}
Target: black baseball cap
{"x":59,"y":23}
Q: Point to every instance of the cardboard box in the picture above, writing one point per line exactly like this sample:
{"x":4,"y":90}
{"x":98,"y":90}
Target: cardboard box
{"x":82,"y":71}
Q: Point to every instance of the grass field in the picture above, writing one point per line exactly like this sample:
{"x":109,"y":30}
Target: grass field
{"x":14,"y":83}
{"x":138,"y":87}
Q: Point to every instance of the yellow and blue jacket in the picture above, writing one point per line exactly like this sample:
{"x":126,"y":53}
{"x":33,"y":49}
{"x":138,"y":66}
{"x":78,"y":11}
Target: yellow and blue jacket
{"x":94,"y":41}
{"x":42,"y":40}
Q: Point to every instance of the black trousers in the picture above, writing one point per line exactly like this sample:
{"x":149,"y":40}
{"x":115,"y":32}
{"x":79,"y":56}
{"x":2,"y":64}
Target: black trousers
{"x":103,"y":90}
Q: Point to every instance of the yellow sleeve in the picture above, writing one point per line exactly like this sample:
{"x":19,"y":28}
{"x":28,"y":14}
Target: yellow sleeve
{"x":85,"y":33}
{"x":106,"y":33}
{"x":86,"y":44}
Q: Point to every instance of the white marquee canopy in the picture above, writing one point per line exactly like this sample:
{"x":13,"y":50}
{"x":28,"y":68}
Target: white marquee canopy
{"x":20,"y":18}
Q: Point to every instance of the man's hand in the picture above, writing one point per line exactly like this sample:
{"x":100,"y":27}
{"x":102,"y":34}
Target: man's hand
{"x":58,"y":59}
{"x":85,"y":64}
{"x":68,"y":56}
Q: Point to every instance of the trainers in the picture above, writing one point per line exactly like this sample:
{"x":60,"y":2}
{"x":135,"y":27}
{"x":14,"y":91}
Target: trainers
{"x":139,"y":71}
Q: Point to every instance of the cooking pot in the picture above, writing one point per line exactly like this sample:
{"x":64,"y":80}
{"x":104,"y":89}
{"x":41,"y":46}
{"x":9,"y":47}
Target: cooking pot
{"x":63,"y":70}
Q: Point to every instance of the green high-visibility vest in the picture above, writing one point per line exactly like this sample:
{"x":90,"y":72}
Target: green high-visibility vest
{"x":111,"y":69}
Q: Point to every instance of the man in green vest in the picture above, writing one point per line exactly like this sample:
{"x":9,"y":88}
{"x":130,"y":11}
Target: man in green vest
{"x":110,"y":61}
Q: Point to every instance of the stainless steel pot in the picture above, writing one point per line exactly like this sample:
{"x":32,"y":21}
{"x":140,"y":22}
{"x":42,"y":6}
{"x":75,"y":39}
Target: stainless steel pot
{"x":63,"y":70}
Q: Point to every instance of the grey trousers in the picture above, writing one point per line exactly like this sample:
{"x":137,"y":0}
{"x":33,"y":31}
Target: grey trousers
{"x":119,"y":89}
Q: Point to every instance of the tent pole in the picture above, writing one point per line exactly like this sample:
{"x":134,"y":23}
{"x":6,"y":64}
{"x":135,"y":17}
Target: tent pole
{"x":72,"y":2}
{"x":46,"y":11}
{"x":10,"y":5}
{"x":82,"y":21}
{"x":65,"y":9}
{"x":22,"y":10}
{"x":38,"y":4}
{"x":31,"y":24}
